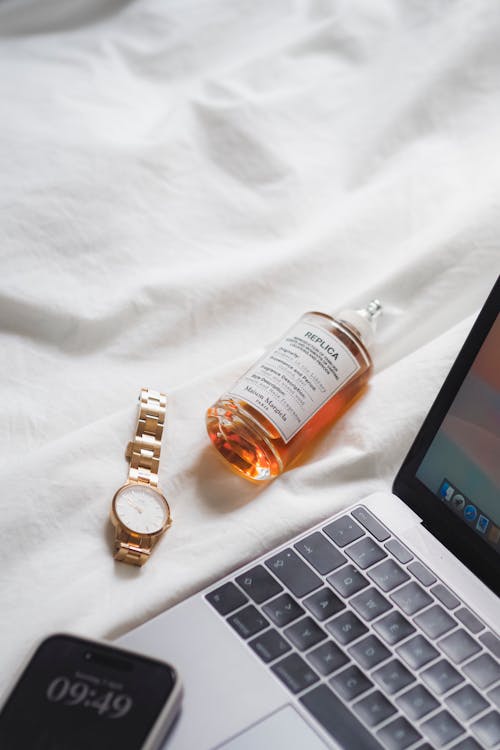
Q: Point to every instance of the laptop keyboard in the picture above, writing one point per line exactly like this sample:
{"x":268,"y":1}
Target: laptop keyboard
{"x":380,"y":652}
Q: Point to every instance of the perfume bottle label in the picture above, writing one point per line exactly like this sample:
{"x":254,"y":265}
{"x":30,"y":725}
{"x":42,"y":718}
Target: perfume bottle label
{"x":290,"y":383}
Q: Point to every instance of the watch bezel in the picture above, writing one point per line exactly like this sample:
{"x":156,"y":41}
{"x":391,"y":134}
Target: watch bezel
{"x":116,"y":520}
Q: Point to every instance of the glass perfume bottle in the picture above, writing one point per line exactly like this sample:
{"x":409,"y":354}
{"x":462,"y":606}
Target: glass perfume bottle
{"x":299,"y":387}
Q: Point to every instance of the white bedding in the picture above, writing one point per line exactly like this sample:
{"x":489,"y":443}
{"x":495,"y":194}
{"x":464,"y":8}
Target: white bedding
{"x":180,"y":181}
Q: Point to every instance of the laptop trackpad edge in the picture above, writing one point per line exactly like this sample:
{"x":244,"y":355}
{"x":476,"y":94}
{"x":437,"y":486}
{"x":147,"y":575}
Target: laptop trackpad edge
{"x":285,"y":729}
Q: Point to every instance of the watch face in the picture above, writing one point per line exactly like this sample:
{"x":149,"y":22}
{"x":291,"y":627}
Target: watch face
{"x":142,"y":509}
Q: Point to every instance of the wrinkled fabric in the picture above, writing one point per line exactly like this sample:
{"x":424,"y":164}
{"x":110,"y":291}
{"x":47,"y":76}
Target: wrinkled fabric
{"x":179,"y":182}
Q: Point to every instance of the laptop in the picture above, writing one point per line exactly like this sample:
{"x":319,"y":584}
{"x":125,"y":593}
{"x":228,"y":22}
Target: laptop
{"x":377,"y":628}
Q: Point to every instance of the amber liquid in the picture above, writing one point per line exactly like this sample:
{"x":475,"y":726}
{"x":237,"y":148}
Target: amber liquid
{"x":252,"y":445}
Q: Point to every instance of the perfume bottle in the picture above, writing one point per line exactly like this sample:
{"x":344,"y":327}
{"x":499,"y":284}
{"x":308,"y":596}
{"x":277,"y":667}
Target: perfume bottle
{"x":299,"y":387}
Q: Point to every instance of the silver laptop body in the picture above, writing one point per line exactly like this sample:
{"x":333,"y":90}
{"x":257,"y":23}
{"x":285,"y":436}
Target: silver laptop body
{"x":366,"y":631}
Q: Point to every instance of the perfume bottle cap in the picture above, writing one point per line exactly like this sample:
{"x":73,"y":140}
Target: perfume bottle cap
{"x":364,"y":320}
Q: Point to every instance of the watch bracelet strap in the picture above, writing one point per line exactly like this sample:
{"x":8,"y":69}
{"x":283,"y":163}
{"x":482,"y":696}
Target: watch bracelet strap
{"x":144,"y":450}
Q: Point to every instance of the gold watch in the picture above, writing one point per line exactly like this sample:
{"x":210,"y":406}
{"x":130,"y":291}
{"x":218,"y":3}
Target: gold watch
{"x":139,"y":511}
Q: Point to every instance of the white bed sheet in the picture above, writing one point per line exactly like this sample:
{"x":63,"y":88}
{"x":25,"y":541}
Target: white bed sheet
{"x":180,"y":181}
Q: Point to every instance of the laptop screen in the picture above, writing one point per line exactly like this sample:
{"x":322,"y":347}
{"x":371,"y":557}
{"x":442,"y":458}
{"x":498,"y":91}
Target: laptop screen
{"x":462,"y":464}
{"x":451,"y":475}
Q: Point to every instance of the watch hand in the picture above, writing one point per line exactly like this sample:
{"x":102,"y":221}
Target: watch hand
{"x":139,"y":510}
{"x":134,"y":506}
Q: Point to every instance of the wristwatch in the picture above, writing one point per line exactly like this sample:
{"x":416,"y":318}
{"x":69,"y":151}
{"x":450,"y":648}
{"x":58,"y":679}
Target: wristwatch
{"x":139,"y":511}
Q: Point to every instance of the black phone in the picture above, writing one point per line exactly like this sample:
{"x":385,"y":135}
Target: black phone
{"x":76,"y":694}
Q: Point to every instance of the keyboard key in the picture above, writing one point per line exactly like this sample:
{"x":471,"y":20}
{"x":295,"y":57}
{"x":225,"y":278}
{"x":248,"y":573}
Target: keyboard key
{"x":369,"y":652}
{"x":470,"y":621}
{"x":466,"y":702}
{"x":417,"y":652}
{"x":304,"y":634}
{"x":371,"y":524}
{"x":270,"y":645}
{"x":417,"y":702}
{"x":467,"y":744}
{"x":441,"y":677}
{"x":295,"y":673}
{"x":459,"y":646}
{"x":258,"y":584}
{"x":338,"y":720}
{"x":423,"y":574}
{"x":366,"y":552}
{"x":343,"y":531}
{"x":393,"y":677}
{"x":399,"y":552}
{"x":483,"y":671}
{"x":320,"y":553}
{"x":374,"y":708}
{"x":393,"y":628}
{"x":492,"y":643}
{"x":388,"y":575}
{"x":283,"y":610}
{"x":445,"y":596}
{"x":411,"y":598}
{"x":398,"y":734}
{"x":347,"y":581}
{"x":435,"y":621}
{"x":370,"y":604}
{"x":494,"y":696}
{"x":346,"y":628}
{"x":327,"y":658}
{"x":323,"y":604}
{"x":350,"y":683}
{"x":226,"y":598}
{"x":441,"y":729}
{"x":248,"y":621}
{"x":487,"y":729}
{"x":295,"y":574}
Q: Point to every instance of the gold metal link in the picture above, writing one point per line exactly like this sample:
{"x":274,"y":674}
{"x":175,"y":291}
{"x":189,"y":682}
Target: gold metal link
{"x":146,"y":446}
{"x":131,"y":553}
{"x":144,"y":476}
{"x":149,"y":426}
{"x":144,"y":460}
{"x":140,"y":461}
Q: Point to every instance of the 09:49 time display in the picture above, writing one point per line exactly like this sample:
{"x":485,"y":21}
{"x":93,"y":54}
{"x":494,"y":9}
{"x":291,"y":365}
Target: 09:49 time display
{"x":109,"y":704}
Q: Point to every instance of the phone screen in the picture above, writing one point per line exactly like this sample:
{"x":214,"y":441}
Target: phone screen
{"x":76,"y":695}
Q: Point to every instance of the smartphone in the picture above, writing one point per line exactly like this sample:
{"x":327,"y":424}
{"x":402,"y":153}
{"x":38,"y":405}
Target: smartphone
{"x":76,"y":694}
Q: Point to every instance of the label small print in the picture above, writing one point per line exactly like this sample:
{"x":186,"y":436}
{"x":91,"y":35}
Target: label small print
{"x":290,"y":383}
